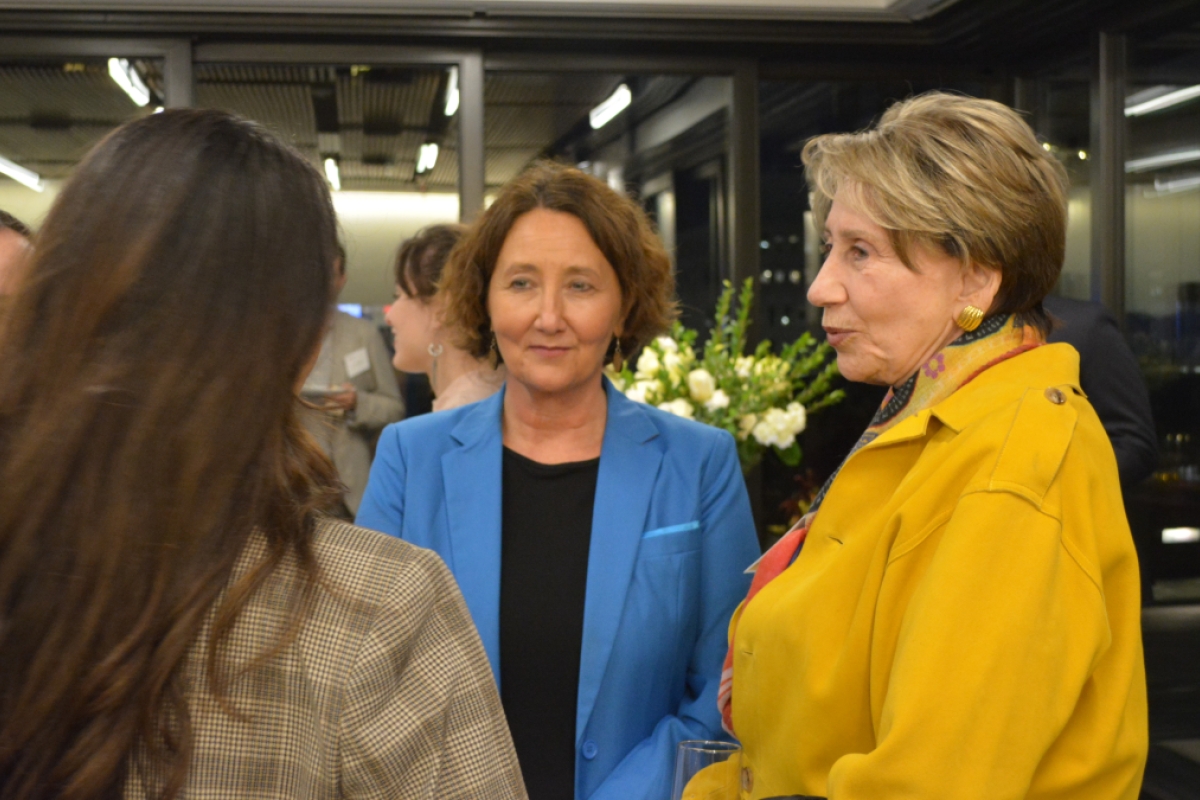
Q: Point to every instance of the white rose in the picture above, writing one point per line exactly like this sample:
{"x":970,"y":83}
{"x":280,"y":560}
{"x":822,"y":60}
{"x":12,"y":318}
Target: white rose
{"x":671,"y":360}
{"x":743,"y":366}
{"x":797,"y":418}
{"x":745,"y":425}
{"x":667,"y":344}
{"x":701,"y":385}
{"x":648,"y":363}
{"x":773,"y":430}
{"x":679,"y":407}
{"x":644,"y":391}
{"x":718,"y":401}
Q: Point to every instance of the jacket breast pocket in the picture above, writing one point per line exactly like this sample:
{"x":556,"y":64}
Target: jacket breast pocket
{"x":670,"y":540}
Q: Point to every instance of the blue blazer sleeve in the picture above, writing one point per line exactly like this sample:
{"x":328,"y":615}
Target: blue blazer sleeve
{"x":729,"y":545}
{"x":382,"y":506}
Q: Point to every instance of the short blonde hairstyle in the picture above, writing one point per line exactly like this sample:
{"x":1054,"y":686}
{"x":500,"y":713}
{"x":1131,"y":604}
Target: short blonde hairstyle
{"x":960,"y":173}
{"x":616,"y":224}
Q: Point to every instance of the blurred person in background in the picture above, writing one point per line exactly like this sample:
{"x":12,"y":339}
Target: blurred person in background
{"x":422,"y":342}
{"x":178,"y":618}
{"x":15,"y":246}
{"x":600,"y":543}
{"x":959,"y":615}
{"x":353,"y":384}
{"x":1112,"y":380}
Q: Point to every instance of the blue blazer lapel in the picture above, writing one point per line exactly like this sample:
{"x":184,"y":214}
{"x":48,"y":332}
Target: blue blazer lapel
{"x":471,"y":473}
{"x":629,"y":463}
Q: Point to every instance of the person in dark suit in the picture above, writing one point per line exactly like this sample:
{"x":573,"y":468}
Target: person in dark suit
{"x":1109,"y":375}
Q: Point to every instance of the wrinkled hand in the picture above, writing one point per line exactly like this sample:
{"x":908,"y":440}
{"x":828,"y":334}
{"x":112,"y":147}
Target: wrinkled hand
{"x":346,"y":400}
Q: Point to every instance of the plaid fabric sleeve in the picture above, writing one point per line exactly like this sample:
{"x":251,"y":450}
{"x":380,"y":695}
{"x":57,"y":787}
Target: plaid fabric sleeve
{"x":422,"y":717}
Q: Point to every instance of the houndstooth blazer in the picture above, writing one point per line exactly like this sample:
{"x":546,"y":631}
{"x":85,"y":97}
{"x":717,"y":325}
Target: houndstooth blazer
{"x":385,"y":693}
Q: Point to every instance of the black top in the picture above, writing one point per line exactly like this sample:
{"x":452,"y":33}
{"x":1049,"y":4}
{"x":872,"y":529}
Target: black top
{"x":547,"y":527}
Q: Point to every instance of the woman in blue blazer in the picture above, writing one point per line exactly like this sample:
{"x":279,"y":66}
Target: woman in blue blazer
{"x":559,"y":276}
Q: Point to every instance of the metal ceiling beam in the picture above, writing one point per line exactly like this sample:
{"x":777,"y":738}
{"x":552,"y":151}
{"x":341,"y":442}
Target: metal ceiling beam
{"x":176,"y":55}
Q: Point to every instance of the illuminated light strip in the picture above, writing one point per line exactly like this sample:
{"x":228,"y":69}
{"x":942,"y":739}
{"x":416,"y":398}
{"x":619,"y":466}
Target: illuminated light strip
{"x":1180,"y":535}
{"x":1163,"y":160}
{"x":452,"y":92}
{"x":427,"y":158}
{"x":121,"y":71}
{"x":1176,"y":185}
{"x":617,"y":102}
{"x":333,"y":174}
{"x":1164,"y":101}
{"x":21,"y":175}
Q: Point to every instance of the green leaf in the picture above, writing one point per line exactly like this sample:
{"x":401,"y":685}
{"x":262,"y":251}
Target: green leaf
{"x":790,"y":456}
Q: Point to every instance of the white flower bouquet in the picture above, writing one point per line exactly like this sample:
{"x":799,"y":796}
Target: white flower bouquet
{"x":763,"y":399}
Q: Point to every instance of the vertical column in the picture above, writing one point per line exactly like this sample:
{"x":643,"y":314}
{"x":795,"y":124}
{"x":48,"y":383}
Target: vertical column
{"x":1108,"y":174}
{"x":744,"y":219}
{"x":744,"y":222}
{"x":179,"y":86}
{"x":471,"y":153}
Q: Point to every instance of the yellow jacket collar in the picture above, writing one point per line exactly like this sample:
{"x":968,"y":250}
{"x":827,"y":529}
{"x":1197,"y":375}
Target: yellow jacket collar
{"x":1042,"y":367}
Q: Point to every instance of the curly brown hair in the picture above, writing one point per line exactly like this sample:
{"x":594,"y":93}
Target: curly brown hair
{"x":616,"y":224}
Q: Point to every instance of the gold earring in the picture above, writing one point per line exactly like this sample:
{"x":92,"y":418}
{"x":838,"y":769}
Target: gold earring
{"x":969,"y":318}
{"x":618,"y":360}
{"x":494,"y":353}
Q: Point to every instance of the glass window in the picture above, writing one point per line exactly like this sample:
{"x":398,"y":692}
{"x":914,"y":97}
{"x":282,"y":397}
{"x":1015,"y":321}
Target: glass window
{"x":1162,"y":301}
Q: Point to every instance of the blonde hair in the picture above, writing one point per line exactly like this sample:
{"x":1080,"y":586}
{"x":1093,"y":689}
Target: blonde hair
{"x":960,"y":173}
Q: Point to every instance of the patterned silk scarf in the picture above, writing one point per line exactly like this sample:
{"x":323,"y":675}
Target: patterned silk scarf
{"x":996,"y":340}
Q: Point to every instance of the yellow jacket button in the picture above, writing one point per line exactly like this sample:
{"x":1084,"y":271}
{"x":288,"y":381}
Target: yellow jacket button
{"x":1055,"y":396}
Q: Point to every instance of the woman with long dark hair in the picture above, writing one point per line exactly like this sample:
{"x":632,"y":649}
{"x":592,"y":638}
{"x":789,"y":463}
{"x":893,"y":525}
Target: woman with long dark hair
{"x":177,"y":615}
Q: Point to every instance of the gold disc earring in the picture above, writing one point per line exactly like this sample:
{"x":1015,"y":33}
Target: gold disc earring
{"x":969,"y":318}
{"x":494,"y":353}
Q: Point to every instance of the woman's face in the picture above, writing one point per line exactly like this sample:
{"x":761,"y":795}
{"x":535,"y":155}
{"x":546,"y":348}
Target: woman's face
{"x":884,"y":319}
{"x":414,"y":326}
{"x":555,"y":303}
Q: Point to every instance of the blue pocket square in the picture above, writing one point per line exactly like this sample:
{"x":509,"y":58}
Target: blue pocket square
{"x":687,"y":526}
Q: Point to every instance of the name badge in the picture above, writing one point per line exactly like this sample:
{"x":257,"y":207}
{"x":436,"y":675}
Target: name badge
{"x":357,"y":362}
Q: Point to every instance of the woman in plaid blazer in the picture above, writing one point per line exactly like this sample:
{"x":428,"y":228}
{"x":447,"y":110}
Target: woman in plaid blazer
{"x":177,"y":616}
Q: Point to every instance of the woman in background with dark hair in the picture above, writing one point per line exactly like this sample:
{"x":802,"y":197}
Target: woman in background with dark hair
{"x":177,"y":616}
{"x":422,"y":343}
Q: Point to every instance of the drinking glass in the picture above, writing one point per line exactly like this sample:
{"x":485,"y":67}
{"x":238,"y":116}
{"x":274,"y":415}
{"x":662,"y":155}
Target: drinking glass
{"x":722,"y":760}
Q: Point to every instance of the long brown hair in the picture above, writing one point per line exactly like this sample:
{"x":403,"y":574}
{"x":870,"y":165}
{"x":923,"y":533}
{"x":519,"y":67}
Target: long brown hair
{"x":148,"y":426}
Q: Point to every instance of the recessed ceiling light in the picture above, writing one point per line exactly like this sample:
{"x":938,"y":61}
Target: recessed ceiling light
{"x":616,"y":102}
{"x":1163,"y":101}
{"x":21,"y":175}
{"x":427,"y":157}
{"x":333,"y":174}
{"x":121,"y":71}
{"x":452,"y":92}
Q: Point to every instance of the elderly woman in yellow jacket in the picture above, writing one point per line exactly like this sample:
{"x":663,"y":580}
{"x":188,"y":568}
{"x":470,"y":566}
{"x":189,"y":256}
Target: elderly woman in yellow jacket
{"x":959,"y":616}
